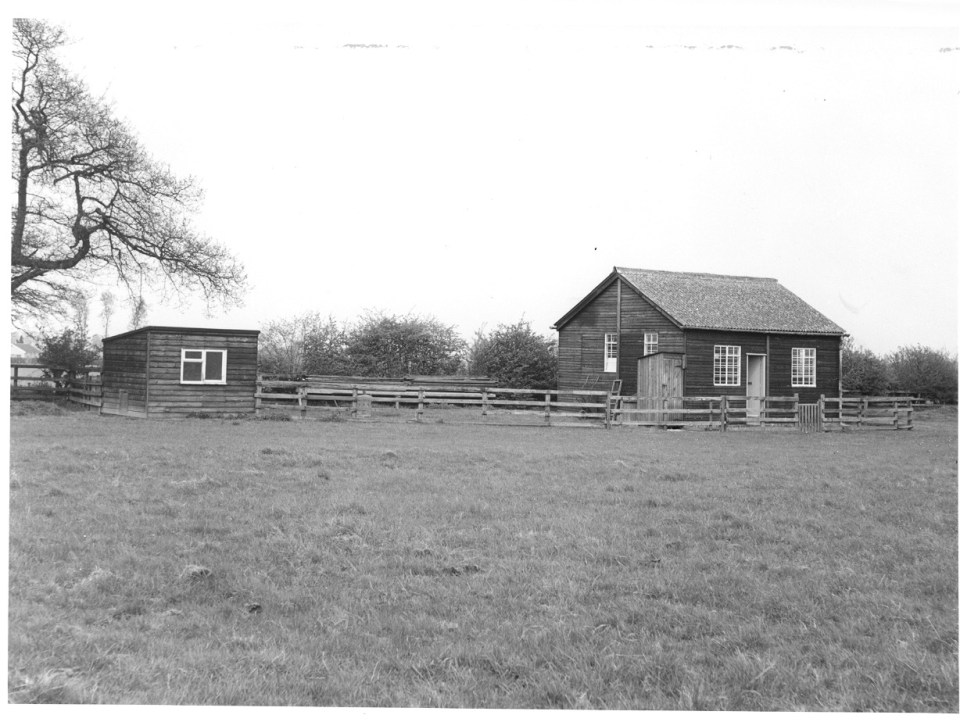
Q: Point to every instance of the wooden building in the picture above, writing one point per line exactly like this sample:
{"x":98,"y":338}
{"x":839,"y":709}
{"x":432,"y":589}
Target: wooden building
{"x":713,"y":335}
{"x":171,"y":371}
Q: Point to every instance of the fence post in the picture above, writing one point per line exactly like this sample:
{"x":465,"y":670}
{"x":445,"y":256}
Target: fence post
{"x":419,"y":404}
{"x":483,"y":401}
{"x":606,"y":411}
{"x":257,"y":401}
{"x":822,"y":408}
{"x":355,"y":403}
{"x":302,"y":401}
{"x":862,"y":410}
{"x":546,"y":408}
{"x":723,"y":413}
{"x":796,"y":409}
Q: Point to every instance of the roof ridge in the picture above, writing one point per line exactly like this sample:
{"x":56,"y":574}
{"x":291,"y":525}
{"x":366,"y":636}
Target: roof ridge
{"x":696,"y":274}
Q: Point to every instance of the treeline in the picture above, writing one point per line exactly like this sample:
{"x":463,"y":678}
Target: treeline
{"x":919,"y":370}
{"x":379,"y":344}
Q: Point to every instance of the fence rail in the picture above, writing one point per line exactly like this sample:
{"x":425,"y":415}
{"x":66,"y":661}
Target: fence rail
{"x":551,"y":406}
{"x":712,"y":412}
{"x":85,"y":391}
{"x":492,"y":402}
{"x":866,"y":412}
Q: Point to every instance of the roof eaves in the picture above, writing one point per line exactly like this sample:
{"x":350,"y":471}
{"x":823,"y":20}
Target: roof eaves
{"x":568,"y":316}
{"x":185,"y":329}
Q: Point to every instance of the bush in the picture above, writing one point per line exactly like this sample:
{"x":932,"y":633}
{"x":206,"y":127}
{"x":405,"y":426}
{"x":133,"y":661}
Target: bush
{"x":864,"y":372}
{"x":395,"y":346}
{"x":925,"y":372}
{"x":516,"y":356}
{"x":66,"y":356}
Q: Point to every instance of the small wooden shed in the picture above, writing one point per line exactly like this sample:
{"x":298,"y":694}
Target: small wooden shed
{"x":174,"y":371}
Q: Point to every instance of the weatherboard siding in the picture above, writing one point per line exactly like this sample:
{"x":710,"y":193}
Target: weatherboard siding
{"x":582,"y":338}
{"x":146,"y":363}
{"x":698,"y":376}
{"x":580,"y":361}
{"x":828,"y":366}
{"x":639,"y":316}
{"x":125,"y":372}
{"x":169,"y":396}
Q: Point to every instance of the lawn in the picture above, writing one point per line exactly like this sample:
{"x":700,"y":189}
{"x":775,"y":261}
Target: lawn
{"x":248,"y":562}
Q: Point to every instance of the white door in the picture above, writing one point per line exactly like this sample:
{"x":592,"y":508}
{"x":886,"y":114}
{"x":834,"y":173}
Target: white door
{"x":756,"y":382}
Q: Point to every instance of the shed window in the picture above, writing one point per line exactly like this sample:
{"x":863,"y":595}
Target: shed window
{"x":203,"y":366}
{"x":610,"y":353}
{"x":726,"y":365}
{"x":803,"y":367}
{"x":651,"y":343}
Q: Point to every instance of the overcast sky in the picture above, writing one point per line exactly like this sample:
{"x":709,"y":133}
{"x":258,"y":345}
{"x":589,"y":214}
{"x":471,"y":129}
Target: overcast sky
{"x":493,"y":162}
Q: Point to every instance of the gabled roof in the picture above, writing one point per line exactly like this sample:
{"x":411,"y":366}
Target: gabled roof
{"x":722,"y":303}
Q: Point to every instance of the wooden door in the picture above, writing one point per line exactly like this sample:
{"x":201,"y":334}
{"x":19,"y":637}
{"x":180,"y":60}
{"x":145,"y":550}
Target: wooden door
{"x":672,"y":385}
{"x":756,"y":382}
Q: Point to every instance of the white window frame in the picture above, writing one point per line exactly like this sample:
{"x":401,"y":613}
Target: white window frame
{"x":803,"y":367}
{"x":203,"y":366}
{"x":726,"y":365}
{"x":611,"y":344}
{"x":651,"y":342}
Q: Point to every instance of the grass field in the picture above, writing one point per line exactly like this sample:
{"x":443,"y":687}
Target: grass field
{"x":396,"y":564}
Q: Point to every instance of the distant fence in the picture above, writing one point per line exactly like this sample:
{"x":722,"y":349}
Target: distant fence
{"x":711,"y":412}
{"x":867,"y":412}
{"x":357,"y":397}
{"x":27,"y":382}
{"x":474,"y":402}
{"x":723,"y":412}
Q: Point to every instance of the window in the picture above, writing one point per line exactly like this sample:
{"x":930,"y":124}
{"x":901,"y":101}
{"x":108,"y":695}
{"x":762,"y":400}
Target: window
{"x":610,"y":353}
{"x":803,"y":367}
{"x":651,"y":343}
{"x":203,"y":366}
{"x":726,"y":365}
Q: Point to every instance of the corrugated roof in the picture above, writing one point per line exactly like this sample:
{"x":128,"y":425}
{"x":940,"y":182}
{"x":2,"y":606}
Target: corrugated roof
{"x":728,"y":303}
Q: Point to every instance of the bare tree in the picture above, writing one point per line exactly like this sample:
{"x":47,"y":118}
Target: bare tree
{"x":89,"y":199}
{"x":80,"y":305}
{"x":108,"y":303}
{"x":139,"y":316}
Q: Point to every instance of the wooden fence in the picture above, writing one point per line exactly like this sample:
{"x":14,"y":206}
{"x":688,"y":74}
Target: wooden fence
{"x":581,"y":406}
{"x":87,"y":391}
{"x":867,"y":412}
{"x":27,"y":382}
{"x":711,"y":412}
{"x":723,"y":412}
{"x":490,"y":404}
{"x":474,"y":403}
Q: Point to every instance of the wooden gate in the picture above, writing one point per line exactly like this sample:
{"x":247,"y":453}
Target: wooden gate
{"x":809,"y":417}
